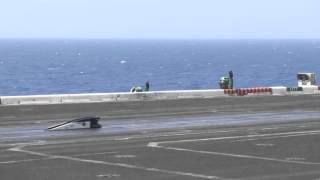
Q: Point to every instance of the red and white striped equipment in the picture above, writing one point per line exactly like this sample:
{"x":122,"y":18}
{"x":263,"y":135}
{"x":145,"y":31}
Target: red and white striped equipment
{"x":245,"y":91}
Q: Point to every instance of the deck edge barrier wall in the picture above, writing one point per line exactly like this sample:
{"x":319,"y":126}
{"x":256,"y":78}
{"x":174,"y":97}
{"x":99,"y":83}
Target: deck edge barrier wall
{"x":152,"y":95}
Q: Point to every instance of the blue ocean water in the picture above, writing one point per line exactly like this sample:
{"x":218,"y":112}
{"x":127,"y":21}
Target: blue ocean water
{"x":80,"y":66}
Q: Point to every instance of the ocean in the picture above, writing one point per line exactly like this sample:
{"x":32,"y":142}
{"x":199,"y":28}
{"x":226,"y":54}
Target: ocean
{"x":29,"y":67}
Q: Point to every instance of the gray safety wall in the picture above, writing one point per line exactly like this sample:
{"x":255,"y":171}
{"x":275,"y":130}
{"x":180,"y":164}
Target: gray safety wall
{"x":155,"y":95}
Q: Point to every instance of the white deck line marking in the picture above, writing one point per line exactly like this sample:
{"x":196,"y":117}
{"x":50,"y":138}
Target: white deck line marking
{"x":125,"y":156}
{"x":283,"y":175}
{"x":295,"y":133}
{"x":108,"y":175}
{"x":269,"y":128}
{"x":296,"y":158}
{"x":121,"y":138}
{"x":90,"y":154}
{"x":238,"y":155}
{"x":24,"y":160}
{"x":19,"y":137}
{"x":19,"y":149}
{"x":274,"y":135}
{"x":244,"y":140}
{"x":265,"y":144}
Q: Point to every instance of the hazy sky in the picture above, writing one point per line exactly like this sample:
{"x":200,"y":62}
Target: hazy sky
{"x":160,"y":19}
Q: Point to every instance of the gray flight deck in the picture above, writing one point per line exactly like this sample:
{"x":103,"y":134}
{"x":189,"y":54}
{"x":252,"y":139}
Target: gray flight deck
{"x":261,"y":137}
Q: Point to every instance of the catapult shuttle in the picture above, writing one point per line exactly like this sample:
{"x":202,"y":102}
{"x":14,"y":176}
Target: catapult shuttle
{"x":80,"y":123}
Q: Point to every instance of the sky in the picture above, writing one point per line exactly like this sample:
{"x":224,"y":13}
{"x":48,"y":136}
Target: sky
{"x":160,"y":19}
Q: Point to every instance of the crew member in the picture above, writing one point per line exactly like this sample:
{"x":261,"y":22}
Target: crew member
{"x":147,"y":86}
{"x":226,"y":82}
